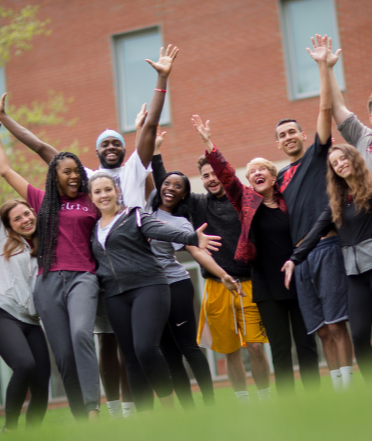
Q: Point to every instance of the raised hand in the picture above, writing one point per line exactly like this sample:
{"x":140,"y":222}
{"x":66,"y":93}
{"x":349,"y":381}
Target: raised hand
{"x":203,"y":130}
{"x":164,"y":65}
{"x":159,"y":140}
{"x":332,"y":58}
{"x":207,"y":242}
{"x":323,"y":50}
{"x":320,"y":50}
{"x":2,"y":104}
{"x":141,"y":117}
{"x":288,"y":269}
{"x":232,"y":285}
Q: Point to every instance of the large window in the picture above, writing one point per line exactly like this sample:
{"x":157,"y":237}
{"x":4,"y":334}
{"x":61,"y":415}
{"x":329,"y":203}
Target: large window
{"x":302,"y":19}
{"x":136,"y":79}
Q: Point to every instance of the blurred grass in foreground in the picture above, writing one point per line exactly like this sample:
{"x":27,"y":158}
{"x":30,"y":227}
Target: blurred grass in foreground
{"x":320,"y":416}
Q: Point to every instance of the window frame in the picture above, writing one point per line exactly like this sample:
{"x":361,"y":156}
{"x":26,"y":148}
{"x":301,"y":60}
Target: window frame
{"x":289,"y":53}
{"x":119,"y":74}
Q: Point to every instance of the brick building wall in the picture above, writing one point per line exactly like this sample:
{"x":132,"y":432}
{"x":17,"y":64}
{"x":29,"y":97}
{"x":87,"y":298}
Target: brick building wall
{"x":231,"y":70}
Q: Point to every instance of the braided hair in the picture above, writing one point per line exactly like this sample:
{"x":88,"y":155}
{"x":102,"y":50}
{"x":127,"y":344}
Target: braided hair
{"x":48,"y":216}
{"x":183,"y":209}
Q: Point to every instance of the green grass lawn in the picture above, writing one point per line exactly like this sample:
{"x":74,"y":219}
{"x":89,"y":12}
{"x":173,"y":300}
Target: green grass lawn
{"x":319,"y":416}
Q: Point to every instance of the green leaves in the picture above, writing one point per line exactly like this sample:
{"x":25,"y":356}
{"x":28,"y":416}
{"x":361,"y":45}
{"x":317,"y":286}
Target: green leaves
{"x":17,"y":30}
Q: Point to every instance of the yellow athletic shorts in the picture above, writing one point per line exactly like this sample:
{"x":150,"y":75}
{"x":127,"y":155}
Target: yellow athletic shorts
{"x":226,"y":322}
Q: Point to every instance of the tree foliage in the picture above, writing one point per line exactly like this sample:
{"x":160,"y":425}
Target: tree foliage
{"x":36,"y":118}
{"x":17,"y":30}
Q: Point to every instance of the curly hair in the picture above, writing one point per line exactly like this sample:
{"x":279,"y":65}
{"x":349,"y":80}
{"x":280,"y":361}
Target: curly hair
{"x":183,"y":208}
{"x":48,"y":216}
{"x":15,"y":243}
{"x":202,"y":160}
{"x":337,"y":187}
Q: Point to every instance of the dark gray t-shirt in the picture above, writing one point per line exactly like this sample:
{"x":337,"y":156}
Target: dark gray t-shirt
{"x":360,"y":136}
{"x":165,"y":251}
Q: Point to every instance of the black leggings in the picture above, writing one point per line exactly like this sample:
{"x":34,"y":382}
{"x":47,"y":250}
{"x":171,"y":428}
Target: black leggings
{"x":360,"y":318}
{"x":179,"y":338}
{"x":278,"y":316}
{"x":24,"y":350}
{"x":138,"y":318}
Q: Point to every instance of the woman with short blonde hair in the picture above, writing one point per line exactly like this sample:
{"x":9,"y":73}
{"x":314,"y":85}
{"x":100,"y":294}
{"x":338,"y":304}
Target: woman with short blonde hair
{"x":265,"y":243}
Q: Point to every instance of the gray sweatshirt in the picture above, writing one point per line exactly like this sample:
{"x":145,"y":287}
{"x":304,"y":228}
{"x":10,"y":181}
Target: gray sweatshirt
{"x":17,"y":281}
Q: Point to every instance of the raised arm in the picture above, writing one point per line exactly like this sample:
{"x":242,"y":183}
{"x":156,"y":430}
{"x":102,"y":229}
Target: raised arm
{"x":146,"y":141}
{"x":159,"y":171}
{"x":12,"y":178}
{"x":44,"y":150}
{"x":319,"y":54}
{"x":212,"y":267}
{"x":223,"y":170}
{"x":339,"y":109}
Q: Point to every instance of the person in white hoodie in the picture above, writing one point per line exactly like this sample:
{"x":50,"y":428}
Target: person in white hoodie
{"x":22,"y":342}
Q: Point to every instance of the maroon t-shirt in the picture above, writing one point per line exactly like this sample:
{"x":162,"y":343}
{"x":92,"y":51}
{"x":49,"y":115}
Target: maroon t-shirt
{"x":77,"y":218}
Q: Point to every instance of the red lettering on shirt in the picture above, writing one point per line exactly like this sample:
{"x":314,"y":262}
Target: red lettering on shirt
{"x":288,"y":176}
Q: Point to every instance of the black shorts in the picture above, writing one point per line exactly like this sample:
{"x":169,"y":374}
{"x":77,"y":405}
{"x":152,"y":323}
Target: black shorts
{"x":322,"y":285}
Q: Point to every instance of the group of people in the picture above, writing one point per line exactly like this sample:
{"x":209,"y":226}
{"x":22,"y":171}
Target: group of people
{"x":95,"y":252}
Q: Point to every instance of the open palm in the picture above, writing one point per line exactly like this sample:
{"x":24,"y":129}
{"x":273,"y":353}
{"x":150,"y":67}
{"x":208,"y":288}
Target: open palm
{"x":164,"y":65}
{"x":320,"y":50}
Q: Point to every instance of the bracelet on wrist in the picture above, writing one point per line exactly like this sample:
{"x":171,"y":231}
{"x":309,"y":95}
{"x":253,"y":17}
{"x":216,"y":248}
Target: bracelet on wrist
{"x":160,"y":90}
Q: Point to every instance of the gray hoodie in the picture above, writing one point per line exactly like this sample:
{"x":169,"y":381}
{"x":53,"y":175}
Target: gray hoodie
{"x":17,"y":282}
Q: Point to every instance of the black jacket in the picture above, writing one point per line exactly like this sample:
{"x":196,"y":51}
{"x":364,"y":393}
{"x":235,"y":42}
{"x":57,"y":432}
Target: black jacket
{"x":127,"y":261}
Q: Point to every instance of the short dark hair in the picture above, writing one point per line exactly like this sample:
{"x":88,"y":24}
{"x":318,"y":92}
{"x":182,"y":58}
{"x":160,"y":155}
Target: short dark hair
{"x":370,"y":104}
{"x":287,"y":120}
{"x":201,"y":162}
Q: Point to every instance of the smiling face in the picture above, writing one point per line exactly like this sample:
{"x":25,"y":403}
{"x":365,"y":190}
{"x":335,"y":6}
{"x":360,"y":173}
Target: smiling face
{"x":111,"y":152}
{"x":172,"y":192}
{"x":211,"y":182}
{"x":261,"y":179}
{"x":291,"y":140}
{"x":341,"y":164}
{"x":68,"y":178}
{"x":104,"y":195}
{"x":22,"y":220}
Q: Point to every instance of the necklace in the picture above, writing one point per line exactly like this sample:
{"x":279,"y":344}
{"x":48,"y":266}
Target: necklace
{"x":269,"y":203}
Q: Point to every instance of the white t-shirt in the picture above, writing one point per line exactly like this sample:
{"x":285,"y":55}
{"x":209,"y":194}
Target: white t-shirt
{"x":130,"y":178}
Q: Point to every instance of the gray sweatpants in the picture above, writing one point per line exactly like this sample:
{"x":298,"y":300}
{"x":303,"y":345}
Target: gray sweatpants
{"x":67,"y":302}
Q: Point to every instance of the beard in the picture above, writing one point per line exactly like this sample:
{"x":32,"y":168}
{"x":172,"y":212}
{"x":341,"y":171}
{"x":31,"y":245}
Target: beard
{"x":117,"y":164}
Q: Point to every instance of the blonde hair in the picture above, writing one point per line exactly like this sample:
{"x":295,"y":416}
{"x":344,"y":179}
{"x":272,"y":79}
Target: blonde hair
{"x":337,"y":187}
{"x":265,"y":163}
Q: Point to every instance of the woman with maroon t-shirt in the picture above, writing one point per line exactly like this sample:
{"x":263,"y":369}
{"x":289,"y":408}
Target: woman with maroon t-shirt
{"x":66,"y":290}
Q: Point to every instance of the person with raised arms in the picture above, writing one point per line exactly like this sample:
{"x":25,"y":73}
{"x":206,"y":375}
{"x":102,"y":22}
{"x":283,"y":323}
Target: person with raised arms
{"x":66,"y":289}
{"x":170,"y":203}
{"x":352,"y":130}
{"x":22,"y":342}
{"x":349,"y":187}
{"x":131,"y":180}
{"x":321,"y":282}
{"x":264,"y":243}
{"x":137,"y":294}
{"x":226,"y":323}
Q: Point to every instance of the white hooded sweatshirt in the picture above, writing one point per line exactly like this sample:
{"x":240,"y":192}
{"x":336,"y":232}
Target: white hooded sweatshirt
{"x":17,"y":282}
